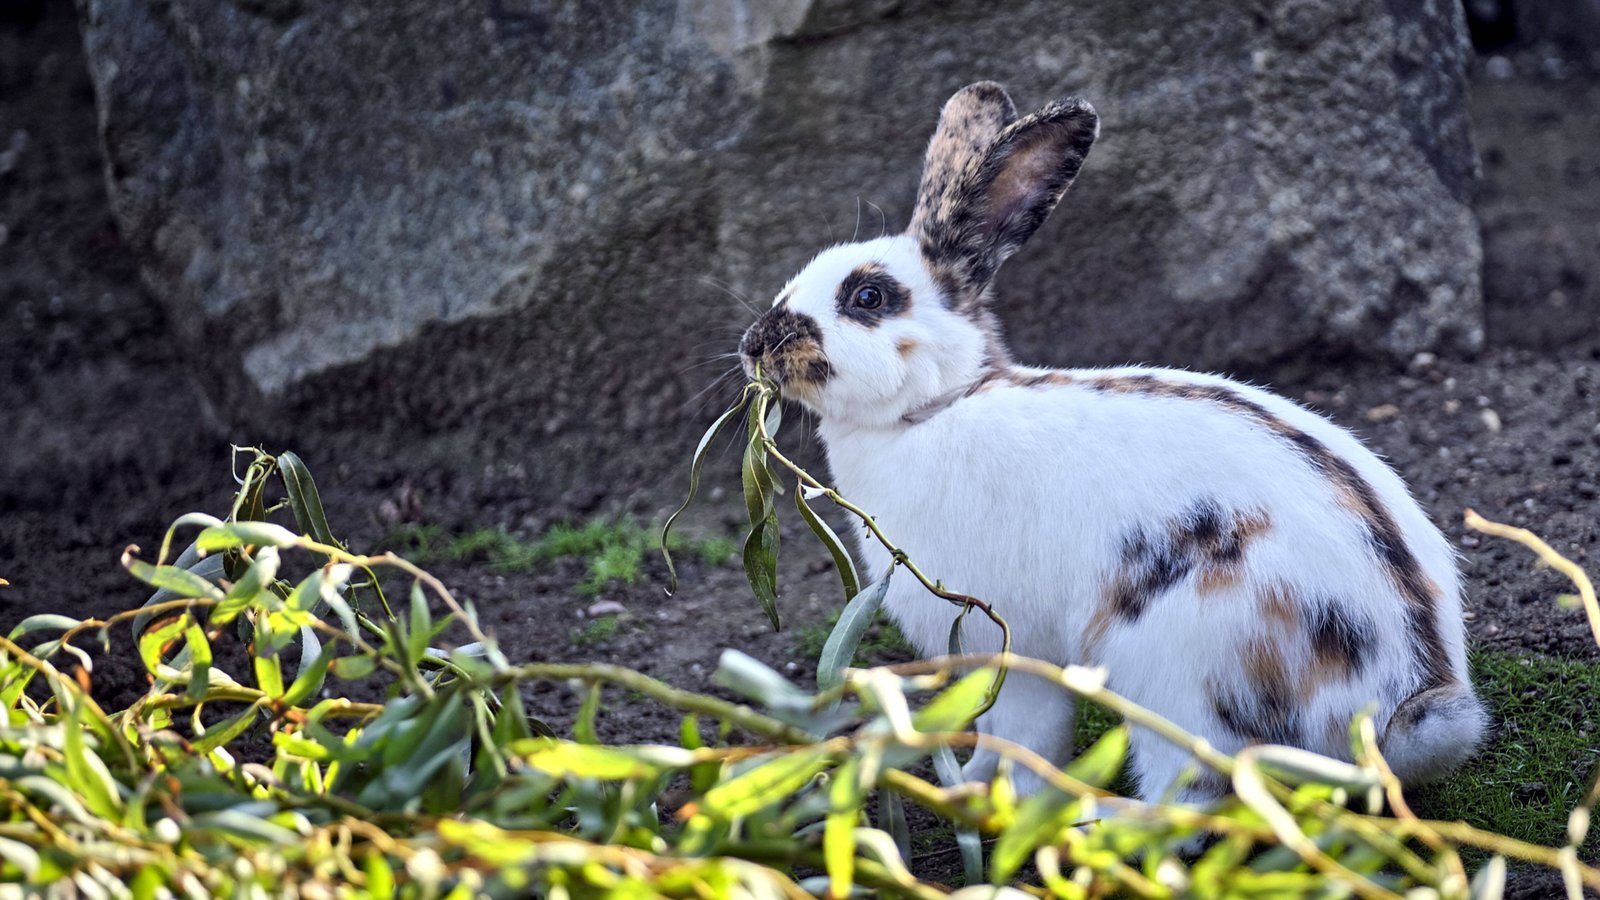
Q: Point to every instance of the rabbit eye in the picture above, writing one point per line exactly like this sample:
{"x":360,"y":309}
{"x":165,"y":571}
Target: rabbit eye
{"x":868,"y":297}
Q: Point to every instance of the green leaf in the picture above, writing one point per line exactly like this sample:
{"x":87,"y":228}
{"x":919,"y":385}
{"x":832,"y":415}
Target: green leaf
{"x":86,"y":771}
{"x":199,"y":660}
{"x":44,"y":622}
{"x":583,"y":729}
{"x":209,"y":569}
{"x":1102,"y":762}
{"x":230,"y":535}
{"x":766,"y":784}
{"x":1037,"y":820}
{"x":839,"y":829}
{"x":689,"y":732}
{"x":66,"y":801}
{"x":380,"y":875}
{"x":830,"y":540}
{"x":773,"y":420}
{"x":750,"y":677}
{"x":244,"y":824}
{"x":695,"y":465}
{"x":313,"y":669}
{"x":956,"y":646}
{"x":225,"y":731}
{"x":511,"y":722}
{"x":304,"y":500}
{"x":892,"y":812}
{"x":954,"y":707}
{"x":566,"y":759}
{"x":858,"y":615}
{"x":251,"y":587}
{"x":1295,"y":766}
{"x":968,"y":841}
{"x":181,"y":582}
{"x":24,"y":857}
{"x":268,"y":668}
{"x":155,"y":640}
{"x":761,"y":566}
{"x":351,"y":668}
{"x":420,"y":626}
{"x":755,"y":476}
{"x":701,"y":775}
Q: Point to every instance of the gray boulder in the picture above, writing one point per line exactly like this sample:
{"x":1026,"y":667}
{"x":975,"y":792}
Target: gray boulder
{"x":513,"y":227}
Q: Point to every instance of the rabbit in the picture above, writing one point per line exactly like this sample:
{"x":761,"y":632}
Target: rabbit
{"x":1237,"y":563}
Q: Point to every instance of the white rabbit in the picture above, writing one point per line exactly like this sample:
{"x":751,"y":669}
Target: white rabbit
{"x":1239,"y":564}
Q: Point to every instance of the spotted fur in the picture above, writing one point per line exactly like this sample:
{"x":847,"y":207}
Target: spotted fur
{"x":789,"y":347}
{"x":1239,"y":564}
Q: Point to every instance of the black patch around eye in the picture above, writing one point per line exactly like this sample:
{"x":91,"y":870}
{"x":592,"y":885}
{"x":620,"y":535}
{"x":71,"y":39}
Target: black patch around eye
{"x":892,"y":297}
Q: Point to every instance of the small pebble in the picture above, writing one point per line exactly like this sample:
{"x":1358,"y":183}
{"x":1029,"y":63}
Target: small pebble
{"x":1491,"y":420}
{"x":605,"y":608}
{"x":1382,"y":412}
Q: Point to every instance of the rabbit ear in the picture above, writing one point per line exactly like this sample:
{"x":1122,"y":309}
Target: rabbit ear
{"x":1000,"y":199}
{"x":969,"y":123}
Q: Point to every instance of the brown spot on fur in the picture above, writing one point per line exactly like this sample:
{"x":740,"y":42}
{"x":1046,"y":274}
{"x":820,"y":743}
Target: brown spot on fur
{"x":1278,"y":607}
{"x":1352,"y":491}
{"x":1094,"y":633}
{"x":1266,"y":669}
{"x":1266,"y":710}
{"x":904,"y":346}
{"x":1223,"y":551}
{"x":1339,"y":639}
{"x":1342,"y":637}
{"x":1203,"y":539}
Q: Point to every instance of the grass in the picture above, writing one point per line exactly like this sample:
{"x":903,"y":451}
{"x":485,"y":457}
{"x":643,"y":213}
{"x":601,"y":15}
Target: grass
{"x":1537,"y":765}
{"x":614,"y":551}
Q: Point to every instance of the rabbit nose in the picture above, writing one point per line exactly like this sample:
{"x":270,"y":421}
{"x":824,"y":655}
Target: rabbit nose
{"x":750,"y":344}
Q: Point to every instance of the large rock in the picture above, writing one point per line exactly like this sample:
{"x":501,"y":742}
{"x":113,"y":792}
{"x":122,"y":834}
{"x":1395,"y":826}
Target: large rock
{"x":509,"y":222}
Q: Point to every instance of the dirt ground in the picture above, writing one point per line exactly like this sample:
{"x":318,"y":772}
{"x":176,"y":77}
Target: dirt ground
{"x":106,"y":436}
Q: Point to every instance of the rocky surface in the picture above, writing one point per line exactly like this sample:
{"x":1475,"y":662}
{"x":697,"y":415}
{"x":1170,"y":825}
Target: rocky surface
{"x":344,"y":206}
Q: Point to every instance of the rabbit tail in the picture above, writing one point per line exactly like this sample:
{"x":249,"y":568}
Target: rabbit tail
{"x":1433,"y":731}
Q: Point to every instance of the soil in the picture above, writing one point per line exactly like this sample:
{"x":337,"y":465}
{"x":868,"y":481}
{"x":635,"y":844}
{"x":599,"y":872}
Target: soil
{"x":107,"y":436}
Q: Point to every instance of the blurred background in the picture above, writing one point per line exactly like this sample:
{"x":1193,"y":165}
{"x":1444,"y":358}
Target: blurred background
{"x":476,"y":259}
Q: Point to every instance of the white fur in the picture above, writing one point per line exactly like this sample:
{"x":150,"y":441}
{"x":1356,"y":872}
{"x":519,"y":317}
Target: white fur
{"x":1022,"y":496}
